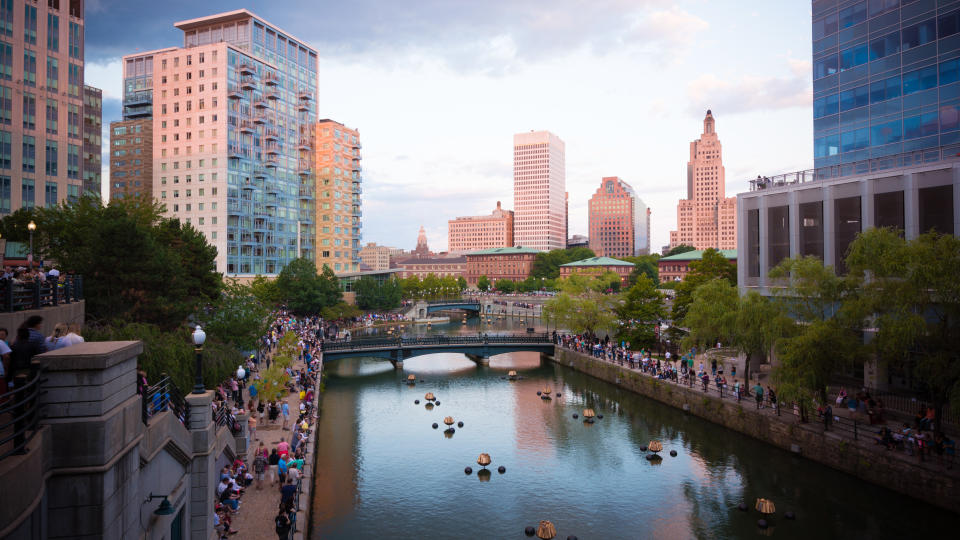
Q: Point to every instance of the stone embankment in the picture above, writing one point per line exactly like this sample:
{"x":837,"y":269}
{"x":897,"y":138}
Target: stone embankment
{"x":926,"y":480}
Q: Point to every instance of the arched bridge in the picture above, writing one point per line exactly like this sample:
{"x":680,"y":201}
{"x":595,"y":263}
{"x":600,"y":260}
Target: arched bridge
{"x":479,"y":347}
{"x":423,"y":308}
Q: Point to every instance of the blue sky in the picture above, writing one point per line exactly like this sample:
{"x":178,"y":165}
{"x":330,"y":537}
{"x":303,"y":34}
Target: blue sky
{"x":438,"y":87}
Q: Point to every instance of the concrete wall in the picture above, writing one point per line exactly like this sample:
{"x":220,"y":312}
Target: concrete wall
{"x":91,"y":467}
{"x":72,"y":313}
{"x":892,"y":470}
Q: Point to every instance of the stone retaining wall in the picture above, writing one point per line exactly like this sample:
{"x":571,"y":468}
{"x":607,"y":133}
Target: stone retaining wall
{"x":309,"y":466}
{"x":862,"y":459}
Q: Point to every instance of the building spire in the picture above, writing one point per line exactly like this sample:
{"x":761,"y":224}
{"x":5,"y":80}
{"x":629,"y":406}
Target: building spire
{"x":708,"y":123}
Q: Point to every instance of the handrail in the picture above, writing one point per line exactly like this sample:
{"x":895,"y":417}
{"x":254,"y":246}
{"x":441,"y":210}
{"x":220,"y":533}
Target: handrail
{"x":20,"y":413}
{"x":480,"y":339}
{"x":36,"y":294}
{"x":162,"y":396}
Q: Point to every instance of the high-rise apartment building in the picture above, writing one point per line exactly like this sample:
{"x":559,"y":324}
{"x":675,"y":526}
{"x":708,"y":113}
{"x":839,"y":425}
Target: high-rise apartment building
{"x":92,"y":135}
{"x":539,"y":191}
{"x":338,"y":192}
{"x":233,"y":115}
{"x":474,"y":233}
{"x":884,"y":75}
{"x":618,"y":220}
{"x":706,"y":218}
{"x":41,"y":102}
{"x":131,"y":158}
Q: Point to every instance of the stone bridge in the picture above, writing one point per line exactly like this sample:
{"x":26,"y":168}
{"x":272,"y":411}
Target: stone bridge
{"x":421,"y":309}
{"x":478,"y":348}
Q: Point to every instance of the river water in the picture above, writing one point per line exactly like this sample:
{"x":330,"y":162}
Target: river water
{"x":384,"y":472}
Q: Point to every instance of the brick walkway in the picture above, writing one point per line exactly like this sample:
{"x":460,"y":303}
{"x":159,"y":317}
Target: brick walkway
{"x":259,"y":506}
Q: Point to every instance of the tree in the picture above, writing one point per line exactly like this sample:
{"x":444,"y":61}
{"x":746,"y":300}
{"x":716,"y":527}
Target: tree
{"x":340,"y":310}
{"x":411,"y":286}
{"x":378,"y":295}
{"x":712,"y":265}
{"x":644,"y":265}
{"x":579,"y":308}
{"x":237,"y":317}
{"x":756,"y":326}
{"x":305,"y":292}
{"x":825,"y":336}
{"x":547,"y":264}
{"x":461,"y":283}
{"x":681,"y":248}
{"x":137,"y":265}
{"x":709,"y":318}
{"x":910,"y":294}
{"x":265,"y":290}
{"x":505,"y":286}
{"x":483,"y":283}
{"x":640,"y":313}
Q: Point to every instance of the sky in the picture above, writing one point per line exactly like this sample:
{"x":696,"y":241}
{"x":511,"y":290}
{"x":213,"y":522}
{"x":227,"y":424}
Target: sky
{"x":437,"y":89}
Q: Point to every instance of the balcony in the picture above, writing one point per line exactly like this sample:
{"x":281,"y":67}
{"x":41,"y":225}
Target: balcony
{"x":247,"y":185}
{"x":260,"y":119}
{"x":261,"y":103}
{"x":271,"y":135}
{"x":246,"y":126}
{"x":246,"y":68}
{"x":357,"y":212}
{"x":272,"y":95}
{"x":306,"y":192}
{"x":304,"y":145}
{"x":260,"y":172}
{"x":272,"y":161}
{"x":271,"y":203}
{"x":356,"y":166}
{"x":248,"y":83}
{"x":272,"y":149}
{"x":272,"y":189}
{"x":304,"y":95}
{"x":303,"y":106}
{"x":305,"y":171}
{"x":234,"y":151}
{"x":233,"y":92}
{"x":271,"y":79}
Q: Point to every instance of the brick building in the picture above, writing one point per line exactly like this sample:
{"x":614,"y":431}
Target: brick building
{"x":473,"y":233}
{"x":675,"y":267}
{"x":595,"y":266}
{"x":440,"y":267}
{"x":513,"y":263}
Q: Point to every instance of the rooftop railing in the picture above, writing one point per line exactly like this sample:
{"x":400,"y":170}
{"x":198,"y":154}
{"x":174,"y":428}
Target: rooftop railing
{"x":866,"y":166}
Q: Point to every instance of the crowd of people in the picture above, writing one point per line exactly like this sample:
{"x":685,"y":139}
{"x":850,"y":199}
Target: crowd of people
{"x":29,"y":341}
{"x":279,"y":465}
{"x":23,"y":275}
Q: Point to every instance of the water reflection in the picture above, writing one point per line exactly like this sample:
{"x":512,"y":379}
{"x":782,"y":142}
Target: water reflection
{"x":383,"y":471}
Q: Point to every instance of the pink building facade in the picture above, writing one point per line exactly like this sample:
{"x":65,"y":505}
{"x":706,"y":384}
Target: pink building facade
{"x":706,"y":218}
{"x":618,"y":220}
{"x":473,"y":233}
{"x":539,"y":191}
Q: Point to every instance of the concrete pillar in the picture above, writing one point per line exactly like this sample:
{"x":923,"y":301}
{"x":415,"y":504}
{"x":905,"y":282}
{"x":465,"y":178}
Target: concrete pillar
{"x":203,"y":469}
{"x":91,"y":406}
{"x":911,"y":207}
{"x":866,"y":204}
{"x":829,"y":228}
{"x":794,"y":222}
{"x":956,"y":200}
{"x":764,"y":241}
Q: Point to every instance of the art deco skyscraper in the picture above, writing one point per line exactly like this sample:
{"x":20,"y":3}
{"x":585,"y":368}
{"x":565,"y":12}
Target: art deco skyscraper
{"x":539,"y":191}
{"x":706,"y":218}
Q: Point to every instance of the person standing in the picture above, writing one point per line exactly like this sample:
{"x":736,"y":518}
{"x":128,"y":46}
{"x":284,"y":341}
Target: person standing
{"x":285,"y":408}
{"x":252,"y":425}
{"x":30,"y":342}
{"x":282,"y":524}
{"x":758,"y":395}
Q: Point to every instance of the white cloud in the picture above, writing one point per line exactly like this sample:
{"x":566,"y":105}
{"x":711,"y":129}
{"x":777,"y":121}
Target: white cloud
{"x":750,"y":93}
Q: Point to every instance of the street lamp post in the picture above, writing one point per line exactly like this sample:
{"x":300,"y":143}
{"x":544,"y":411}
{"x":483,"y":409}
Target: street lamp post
{"x":199,"y":336}
{"x":31,"y":227}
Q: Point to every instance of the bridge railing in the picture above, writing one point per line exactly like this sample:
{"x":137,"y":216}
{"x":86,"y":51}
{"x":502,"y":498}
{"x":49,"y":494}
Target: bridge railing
{"x":480,"y":339}
{"x":453,"y":301}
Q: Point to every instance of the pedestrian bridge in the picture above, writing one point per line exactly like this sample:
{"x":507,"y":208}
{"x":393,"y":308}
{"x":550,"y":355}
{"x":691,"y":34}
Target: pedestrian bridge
{"x":421,"y":309}
{"x":478,"y":347}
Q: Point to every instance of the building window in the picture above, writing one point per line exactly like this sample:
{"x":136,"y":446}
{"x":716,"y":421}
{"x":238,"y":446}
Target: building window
{"x":73,"y":161}
{"x":936,"y":209}
{"x":75,"y":80}
{"x":50,"y":158}
{"x":5,"y":194}
{"x":6,"y":59}
{"x":30,"y":24}
{"x":53,"y":74}
{"x":29,"y":68}
{"x":811,"y":229}
{"x":53,"y":32}
{"x":29,"y":154}
{"x":27,"y":193}
{"x":847,"y":224}
{"x":753,"y":243}
{"x":50,"y":194}
{"x":52,"y":116}
{"x":75,"y":40}
{"x":73,"y":120}
{"x":778,"y":235}
{"x":6,"y":105}
{"x":888,"y":210}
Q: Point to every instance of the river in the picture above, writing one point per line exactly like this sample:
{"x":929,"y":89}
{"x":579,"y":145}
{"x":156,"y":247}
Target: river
{"x":384,"y":472}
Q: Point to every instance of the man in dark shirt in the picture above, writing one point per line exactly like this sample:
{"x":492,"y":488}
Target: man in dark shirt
{"x":287,"y":492}
{"x":29,"y":343}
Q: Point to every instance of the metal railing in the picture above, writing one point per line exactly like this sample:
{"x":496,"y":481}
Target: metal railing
{"x":902,"y":402}
{"x":18,"y":296}
{"x":840,"y":170}
{"x":164,"y":396}
{"x":480,"y":339}
{"x":20,"y":412}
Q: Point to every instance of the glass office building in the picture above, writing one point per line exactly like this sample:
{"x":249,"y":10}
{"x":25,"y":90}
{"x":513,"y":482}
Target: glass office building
{"x":886,"y":78}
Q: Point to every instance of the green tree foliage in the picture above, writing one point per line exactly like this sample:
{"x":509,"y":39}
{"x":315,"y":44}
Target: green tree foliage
{"x":909,"y":292}
{"x":505,"y":286}
{"x":682,"y":248}
{"x":374,"y":295}
{"x":709,"y":318}
{"x":644,"y":265}
{"x":579,"y":307}
{"x":712,"y":265}
{"x":757,"y":325}
{"x":340,"y":310}
{"x":137,"y":265}
{"x":639,"y":313}
{"x":461,"y":283}
{"x":483,"y":283}
{"x":237,"y":317}
{"x":304,"y":291}
{"x":273,"y":380}
{"x":172,"y":352}
{"x":547,"y":264}
{"x":826,"y":335}
{"x":411,"y":286}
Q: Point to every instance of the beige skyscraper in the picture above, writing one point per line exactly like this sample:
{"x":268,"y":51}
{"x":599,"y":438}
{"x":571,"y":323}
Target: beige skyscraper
{"x":706,"y":218}
{"x":539,"y":191}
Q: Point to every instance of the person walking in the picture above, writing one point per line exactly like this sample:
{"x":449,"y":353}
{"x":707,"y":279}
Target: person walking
{"x":282,"y":524}
{"x":259,"y":468}
{"x":285,"y":408}
{"x":273,"y":461}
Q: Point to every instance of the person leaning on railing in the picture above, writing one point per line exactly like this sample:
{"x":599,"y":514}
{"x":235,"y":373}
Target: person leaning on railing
{"x":29,"y":343}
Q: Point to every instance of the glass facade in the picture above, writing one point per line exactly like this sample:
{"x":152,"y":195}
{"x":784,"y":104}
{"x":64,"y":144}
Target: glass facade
{"x":886,"y":77}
